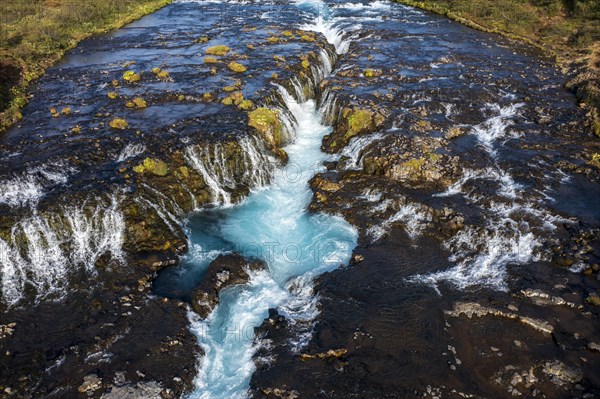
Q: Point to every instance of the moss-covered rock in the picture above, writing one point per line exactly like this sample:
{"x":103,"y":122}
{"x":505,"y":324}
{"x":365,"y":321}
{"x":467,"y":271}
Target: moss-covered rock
{"x":595,"y":160}
{"x":371,"y":73}
{"x":219,"y":50}
{"x":119,"y":124}
{"x":266,"y":121}
{"x":593,"y":300}
{"x":154,"y":166}
{"x":246,"y":105}
{"x":236,"y":67}
{"x":131,"y":77}
{"x":358,"y":122}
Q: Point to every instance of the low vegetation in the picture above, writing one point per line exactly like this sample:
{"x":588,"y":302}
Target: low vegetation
{"x":34,"y":34}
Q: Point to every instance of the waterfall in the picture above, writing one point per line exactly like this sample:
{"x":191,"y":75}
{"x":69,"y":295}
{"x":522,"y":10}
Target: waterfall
{"x":43,"y":251}
{"x":481,"y":255}
{"x":354,"y":150}
{"x":131,"y":150}
{"x":297,"y":247}
{"x":28,"y":188}
{"x":223,"y":175}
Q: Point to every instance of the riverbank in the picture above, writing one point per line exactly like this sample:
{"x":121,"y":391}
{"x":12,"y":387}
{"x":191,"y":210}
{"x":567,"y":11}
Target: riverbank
{"x":36,"y":34}
{"x":568,"y":31}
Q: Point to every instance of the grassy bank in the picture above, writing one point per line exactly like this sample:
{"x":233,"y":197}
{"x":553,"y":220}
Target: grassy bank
{"x":567,"y":29}
{"x":34,"y":34}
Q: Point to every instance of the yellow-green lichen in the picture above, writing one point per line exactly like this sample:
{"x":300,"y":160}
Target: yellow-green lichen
{"x":236,"y":67}
{"x":219,"y":50}
{"x":246,"y":105}
{"x":137,"y":102}
{"x":154,"y":166}
{"x":266,"y":122}
{"x":119,"y":124}
{"x":371,"y":73}
{"x":131,"y":77}
{"x":358,"y":121}
{"x":210,"y":60}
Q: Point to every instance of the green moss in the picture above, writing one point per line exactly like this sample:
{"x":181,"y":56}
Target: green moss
{"x":415,"y":164}
{"x":266,"y":122}
{"x":305,"y":64}
{"x":370,"y":73}
{"x":593,"y":300}
{"x":154,"y":166}
{"x":246,"y":105}
{"x":112,"y":95}
{"x":454,"y":132}
{"x":119,"y":124}
{"x":236,"y":67}
{"x":359,"y":120}
{"x":219,"y":50}
{"x":131,"y":77}
{"x":595,"y":160}
{"x":184,"y":171}
{"x":163,"y":75}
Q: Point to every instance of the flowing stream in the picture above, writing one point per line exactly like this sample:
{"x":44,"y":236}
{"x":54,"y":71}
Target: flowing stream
{"x":271,"y":224}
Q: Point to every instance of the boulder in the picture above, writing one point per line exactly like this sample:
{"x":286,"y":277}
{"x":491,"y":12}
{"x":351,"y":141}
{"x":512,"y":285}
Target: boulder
{"x":225,"y":271}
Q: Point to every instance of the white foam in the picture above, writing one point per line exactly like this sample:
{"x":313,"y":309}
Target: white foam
{"x":496,"y":127}
{"x":30,"y":187}
{"x":354,"y":150}
{"x":414,"y":218}
{"x":131,"y":150}
{"x":482,"y":257}
{"x":44,"y":251}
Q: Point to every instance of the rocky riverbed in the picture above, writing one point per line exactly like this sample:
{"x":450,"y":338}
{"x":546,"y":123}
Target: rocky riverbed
{"x":457,"y":156}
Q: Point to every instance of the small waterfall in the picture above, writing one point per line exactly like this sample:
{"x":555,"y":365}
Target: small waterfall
{"x":43,"y":251}
{"x":253,"y":168}
{"x":131,"y":150}
{"x":30,"y":187}
{"x":482,"y":255}
{"x":507,"y":187}
{"x":335,"y":36}
{"x":414,"y":217}
{"x":496,"y":127}
{"x":354,"y":150}
{"x":329,"y":107}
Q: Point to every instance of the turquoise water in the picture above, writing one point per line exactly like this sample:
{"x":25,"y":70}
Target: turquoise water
{"x":274,"y":225}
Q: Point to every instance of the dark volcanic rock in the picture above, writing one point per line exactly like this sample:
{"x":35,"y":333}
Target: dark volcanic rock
{"x":223,"y":272}
{"x":103,"y":342}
